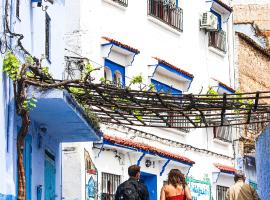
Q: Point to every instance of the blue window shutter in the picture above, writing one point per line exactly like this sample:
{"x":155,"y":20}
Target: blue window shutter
{"x":219,"y":19}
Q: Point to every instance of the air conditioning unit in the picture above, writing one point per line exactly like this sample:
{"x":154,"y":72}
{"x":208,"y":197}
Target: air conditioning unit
{"x":209,"y":21}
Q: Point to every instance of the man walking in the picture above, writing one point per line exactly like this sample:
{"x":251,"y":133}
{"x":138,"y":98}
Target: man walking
{"x":132,"y":189}
{"x":240,"y":190}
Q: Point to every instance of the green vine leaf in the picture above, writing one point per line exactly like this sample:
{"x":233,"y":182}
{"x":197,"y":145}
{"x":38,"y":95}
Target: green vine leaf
{"x":29,"y":60}
{"x":11,"y":66}
{"x":75,"y":90}
{"x":136,"y":80}
{"x":45,"y":70}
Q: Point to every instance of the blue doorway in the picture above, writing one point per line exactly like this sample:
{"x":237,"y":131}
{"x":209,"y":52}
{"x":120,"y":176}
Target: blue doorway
{"x":27,"y":162}
{"x":150,"y":180}
{"x":49,"y":176}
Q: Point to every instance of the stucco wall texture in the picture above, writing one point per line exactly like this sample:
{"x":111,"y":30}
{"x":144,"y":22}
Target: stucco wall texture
{"x":257,"y":13}
{"x":263,"y":164}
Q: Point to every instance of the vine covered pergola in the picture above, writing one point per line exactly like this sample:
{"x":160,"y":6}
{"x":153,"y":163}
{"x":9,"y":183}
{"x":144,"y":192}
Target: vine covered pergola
{"x":149,"y":108}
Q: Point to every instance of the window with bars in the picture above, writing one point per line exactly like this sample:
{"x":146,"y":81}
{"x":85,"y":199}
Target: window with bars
{"x":177,"y":120}
{"x":109,"y":184}
{"x":223,"y":133}
{"x":47,"y":36}
{"x":18,"y":8}
{"x":221,"y":192}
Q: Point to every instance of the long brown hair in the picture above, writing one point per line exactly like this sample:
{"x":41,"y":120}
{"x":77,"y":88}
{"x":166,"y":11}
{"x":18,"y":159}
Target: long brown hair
{"x":176,"y":177}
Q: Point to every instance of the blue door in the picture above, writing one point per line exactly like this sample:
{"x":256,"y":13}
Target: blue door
{"x":150,"y":180}
{"x":49,"y":183}
{"x":27,"y":161}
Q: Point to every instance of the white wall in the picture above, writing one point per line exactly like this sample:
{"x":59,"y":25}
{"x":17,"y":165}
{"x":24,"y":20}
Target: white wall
{"x":187,"y":50}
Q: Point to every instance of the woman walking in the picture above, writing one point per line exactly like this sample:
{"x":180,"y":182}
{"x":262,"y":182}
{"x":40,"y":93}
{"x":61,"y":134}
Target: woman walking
{"x":177,"y":188}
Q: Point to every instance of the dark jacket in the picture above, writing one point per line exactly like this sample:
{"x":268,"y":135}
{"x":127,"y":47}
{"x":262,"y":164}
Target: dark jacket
{"x":140,"y":187}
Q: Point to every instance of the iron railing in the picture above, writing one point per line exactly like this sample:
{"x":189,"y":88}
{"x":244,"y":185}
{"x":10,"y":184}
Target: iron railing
{"x":167,"y":12}
{"x":121,"y":2}
{"x":221,"y":192}
{"x":110,"y":182}
{"x":218,"y":40}
{"x":177,"y":120}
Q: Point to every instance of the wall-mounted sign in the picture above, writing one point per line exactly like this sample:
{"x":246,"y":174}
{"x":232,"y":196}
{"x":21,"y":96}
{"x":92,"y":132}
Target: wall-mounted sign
{"x":90,"y":178}
{"x":200,"y":190}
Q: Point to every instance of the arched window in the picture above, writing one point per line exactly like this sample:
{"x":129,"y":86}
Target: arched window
{"x":117,"y":78}
{"x":107,"y":74}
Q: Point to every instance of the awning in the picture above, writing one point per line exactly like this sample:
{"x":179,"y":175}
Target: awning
{"x":126,"y":143}
{"x":118,"y":52}
{"x":221,"y":8}
{"x":146,"y":149}
{"x":171,"y":75}
{"x":63,"y":118}
{"x":223,"y":171}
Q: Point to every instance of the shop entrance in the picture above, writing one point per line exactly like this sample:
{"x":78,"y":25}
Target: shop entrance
{"x":150,"y":180}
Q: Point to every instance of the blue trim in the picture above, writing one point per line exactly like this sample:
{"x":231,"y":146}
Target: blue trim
{"x":167,"y":67}
{"x":226,"y":172}
{"x":7,"y":197}
{"x":140,"y":159}
{"x":219,"y":19}
{"x":188,"y":171}
{"x":225,"y":88}
{"x":168,"y":89}
{"x":164,"y":167}
{"x":112,"y":43}
{"x":218,"y":174}
{"x":116,"y":67}
{"x":133,"y":58}
{"x":27,"y":157}
{"x":176,"y":2}
{"x":106,"y":142}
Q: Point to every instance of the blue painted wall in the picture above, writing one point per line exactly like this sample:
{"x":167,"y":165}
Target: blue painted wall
{"x":263,"y":164}
{"x":161,"y":87}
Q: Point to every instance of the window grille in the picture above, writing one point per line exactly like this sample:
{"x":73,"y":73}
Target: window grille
{"x":218,"y":40}
{"x":221,"y":192}
{"x":223,"y":133}
{"x":167,"y":12}
{"x":177,"y":120}
{"x":47,"y":36}
{"x":109,"y":182}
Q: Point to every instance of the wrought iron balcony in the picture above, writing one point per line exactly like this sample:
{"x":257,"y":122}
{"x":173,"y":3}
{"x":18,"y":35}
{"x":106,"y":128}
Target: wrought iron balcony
{"x":167,"y":12}
{"x":121,"y":2}
{"x":218,"y":40}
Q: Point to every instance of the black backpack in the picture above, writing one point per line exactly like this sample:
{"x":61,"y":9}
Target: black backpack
{"x":129,"y":190}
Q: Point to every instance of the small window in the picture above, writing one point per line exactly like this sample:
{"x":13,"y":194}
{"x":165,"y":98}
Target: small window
{"x":221,"y":192}
{"x":107,"y":74}
{"x":117,"y":78}
{"x":109,"y":184}
{"x":223,"y":133}
{"x":47,"y":36}
{"x":18,"y":8}
{"x":177,"y":121}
